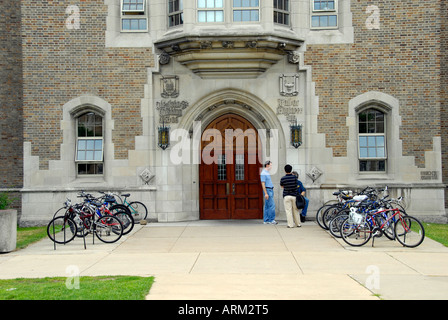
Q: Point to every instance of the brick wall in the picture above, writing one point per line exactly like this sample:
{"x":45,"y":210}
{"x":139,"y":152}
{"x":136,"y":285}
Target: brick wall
{"x":60,"y":64}
{"x":444,"y":93}
{"x":11,"y":153}
{"x":401,"y":58}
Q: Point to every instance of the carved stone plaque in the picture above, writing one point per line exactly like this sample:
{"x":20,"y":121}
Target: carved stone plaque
{"x":171,"y":110}
{"x":289,"y":85}
{"x":169,"y":86}
{"x":289,"y":108}
{"x":146,"y":176}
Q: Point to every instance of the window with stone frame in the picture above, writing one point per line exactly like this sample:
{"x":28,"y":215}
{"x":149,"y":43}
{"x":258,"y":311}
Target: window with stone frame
{"x":210,"y":10}
{"x":281,"y":12}
{"x":246,"y":10}
{"x":134,"y":16}
{"x":175,"y":13}
{"x":89,"y":144}
{"x":324,"y":14}
{"x":372,"y":140}
{"x":238,"y":10}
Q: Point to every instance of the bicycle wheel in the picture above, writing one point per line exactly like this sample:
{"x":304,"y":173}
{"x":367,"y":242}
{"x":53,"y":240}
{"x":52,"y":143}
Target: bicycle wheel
{"x":329,"y":214}
{"x":355,"y":234}
{"x":61,"y":230}
{"x":320,"y":214}
{"x":409,"y":231}
{"x":108,"y":229}
{"x":138,"y":210}
{"x":126,"y":220}
{"x":335,"y":224}
{"x":124,"y":214}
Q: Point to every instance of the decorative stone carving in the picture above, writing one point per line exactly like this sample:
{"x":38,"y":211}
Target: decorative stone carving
{"x":146,"y":176}
{"x":227,"y":44}
{"x":290,"y":108}
{"x":314,"y":174}
{"x":293,"y":57}
{"x":206,"y":44}
{"x":169,"y":86}
{"x":164,"y":58}
{"x":289,"y":85}
{"x":171,"y":110}
{"x":251,"y":44}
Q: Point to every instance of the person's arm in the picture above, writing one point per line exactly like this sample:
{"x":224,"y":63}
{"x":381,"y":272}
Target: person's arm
{"x":263,"y":185}
{"x":302,"y":188}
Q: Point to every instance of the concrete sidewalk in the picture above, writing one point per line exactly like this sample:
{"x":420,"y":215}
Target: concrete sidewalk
{"x":246,"y":259}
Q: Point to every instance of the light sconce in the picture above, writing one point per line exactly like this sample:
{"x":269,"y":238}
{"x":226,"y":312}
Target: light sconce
{"x":296,"y":135}
{"x":164,"y":137}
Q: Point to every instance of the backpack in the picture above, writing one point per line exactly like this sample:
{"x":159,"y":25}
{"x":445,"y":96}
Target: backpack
{"x":300,"y":201}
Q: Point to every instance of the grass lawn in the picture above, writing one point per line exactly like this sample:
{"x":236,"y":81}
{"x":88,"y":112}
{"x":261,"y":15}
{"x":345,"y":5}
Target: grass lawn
{"x":88,"y":288}
{"x":437,"y":232}
{"x":27,"y":236}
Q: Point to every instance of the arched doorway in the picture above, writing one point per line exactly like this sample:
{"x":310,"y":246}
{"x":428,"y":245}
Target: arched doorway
{"x":229,"y":171}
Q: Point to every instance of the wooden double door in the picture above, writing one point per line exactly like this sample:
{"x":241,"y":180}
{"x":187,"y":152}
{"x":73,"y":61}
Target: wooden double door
{"x":229,"y":172}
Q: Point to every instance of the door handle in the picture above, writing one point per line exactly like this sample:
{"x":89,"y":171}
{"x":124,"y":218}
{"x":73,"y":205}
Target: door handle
{"x":233,"y":188}
{"x":227,"y":188}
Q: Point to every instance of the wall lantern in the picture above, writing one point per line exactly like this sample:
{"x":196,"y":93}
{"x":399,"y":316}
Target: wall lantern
{"x":296,"y":135}
{"x":164,"y":136}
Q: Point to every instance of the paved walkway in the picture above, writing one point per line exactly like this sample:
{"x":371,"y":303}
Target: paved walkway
{"x":246,"y":260}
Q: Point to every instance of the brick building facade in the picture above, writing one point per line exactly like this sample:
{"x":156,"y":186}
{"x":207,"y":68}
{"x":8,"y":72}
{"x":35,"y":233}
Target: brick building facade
{"x":141,"y":65}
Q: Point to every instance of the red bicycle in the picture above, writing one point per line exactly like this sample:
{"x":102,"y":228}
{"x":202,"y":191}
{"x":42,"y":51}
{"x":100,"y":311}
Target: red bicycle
{"x":358,"y":228}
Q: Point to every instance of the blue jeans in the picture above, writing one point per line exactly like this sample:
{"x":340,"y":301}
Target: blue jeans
{"x":269,"y":207}
{"x":303,"y":213}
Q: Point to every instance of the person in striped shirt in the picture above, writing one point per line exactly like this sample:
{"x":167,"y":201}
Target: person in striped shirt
{"x":289,"y":185}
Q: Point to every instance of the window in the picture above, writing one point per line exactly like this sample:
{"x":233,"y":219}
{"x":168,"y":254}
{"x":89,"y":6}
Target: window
{"x":89,"y":144}
{"x":242,"y":10}
{"x":222,"y":168}
{"x":134,"y":16}
{"x":175,"y":13}
{"x":324,"y":14}
{"x":239,"y":167}
{"x":210,"y":11}
{"x":281,"y":11}
{"x":246,"y":10}
{"x":372,"y":140}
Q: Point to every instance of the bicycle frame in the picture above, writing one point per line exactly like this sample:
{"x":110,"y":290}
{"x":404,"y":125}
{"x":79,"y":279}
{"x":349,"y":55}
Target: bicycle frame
{"x":392,"y":217}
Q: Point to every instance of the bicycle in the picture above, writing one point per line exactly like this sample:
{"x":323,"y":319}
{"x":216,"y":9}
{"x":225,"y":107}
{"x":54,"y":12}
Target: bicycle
{"x":76,"y":222}
{"x":104,"y":205}
{"x":344,"y":200}
{"x":341,"y":197}
{"x":363,"y":205}
{"x":136,"y":208}
{"x":357,"y":229}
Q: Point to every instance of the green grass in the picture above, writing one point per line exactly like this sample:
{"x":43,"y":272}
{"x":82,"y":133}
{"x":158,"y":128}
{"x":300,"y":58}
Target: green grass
{"x":27,"y":236}
{"x":90,"y":288}
{"x":437,"y":232}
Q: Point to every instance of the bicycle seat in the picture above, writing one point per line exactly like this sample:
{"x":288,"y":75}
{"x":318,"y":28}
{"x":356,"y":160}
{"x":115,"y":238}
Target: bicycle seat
{"x":109,"y":199}
{"x":126,"y":194}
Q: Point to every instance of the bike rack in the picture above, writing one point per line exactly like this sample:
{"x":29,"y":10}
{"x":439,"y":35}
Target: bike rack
{"x":83,"y":233}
